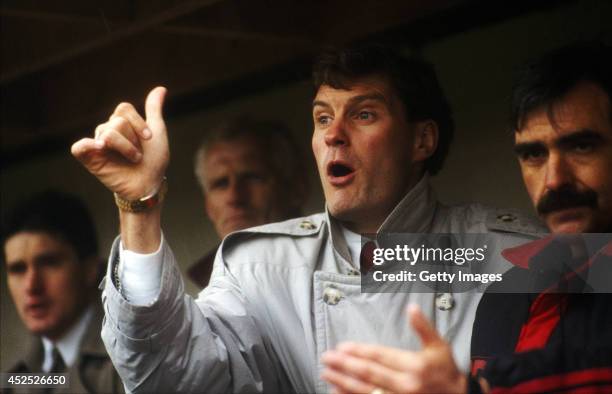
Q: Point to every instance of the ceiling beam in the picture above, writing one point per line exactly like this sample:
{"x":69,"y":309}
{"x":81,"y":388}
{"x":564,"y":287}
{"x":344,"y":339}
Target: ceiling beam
{"x":46,"y":16}
{"x":230,"y":34}
{"x":234,"y":34}
{"x":119,"y":34}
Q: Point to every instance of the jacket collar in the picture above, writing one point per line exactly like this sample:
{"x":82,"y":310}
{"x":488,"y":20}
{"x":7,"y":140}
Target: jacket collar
{"x":31,"y":361}
{"x":413,"y":214}
{"x":521,"y":255}
{"x":552,"y":249}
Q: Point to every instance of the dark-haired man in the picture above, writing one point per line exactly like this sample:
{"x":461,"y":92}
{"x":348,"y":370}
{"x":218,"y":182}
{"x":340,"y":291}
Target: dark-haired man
{"x":50,"y":250}
{"x":282,"y":294}
{"x":553,"y":338}
{"x":535,"y":331}
{"x":251,"y":172}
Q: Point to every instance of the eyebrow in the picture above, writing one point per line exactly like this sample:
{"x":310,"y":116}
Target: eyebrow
{"x":524,"y":147}
{"x":584,"y":135}
{"x":10,"y":264}
{"x":45,"y":256}
{"x":354,"y":100}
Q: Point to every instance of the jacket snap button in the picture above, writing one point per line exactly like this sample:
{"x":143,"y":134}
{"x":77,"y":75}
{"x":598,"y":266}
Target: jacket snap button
{"x":445,"y":301}
{"x":307,"y":225}
{"x":332,"y":296}
{"x":506,"y":217}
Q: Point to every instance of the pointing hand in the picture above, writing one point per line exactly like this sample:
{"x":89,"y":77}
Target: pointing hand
{"x":129,"y":154}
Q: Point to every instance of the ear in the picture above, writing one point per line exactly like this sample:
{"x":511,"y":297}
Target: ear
{"x":425,"y":140}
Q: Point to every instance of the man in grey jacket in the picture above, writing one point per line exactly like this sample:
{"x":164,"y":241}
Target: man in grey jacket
{"x":284,"y":293}
{"x":548,"y":326}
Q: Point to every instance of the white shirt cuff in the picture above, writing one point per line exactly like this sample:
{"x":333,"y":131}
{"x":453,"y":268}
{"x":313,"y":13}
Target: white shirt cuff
{"x":140,"y":275}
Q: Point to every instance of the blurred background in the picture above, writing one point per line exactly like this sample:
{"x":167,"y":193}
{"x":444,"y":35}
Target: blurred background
{"x":65,"y":65}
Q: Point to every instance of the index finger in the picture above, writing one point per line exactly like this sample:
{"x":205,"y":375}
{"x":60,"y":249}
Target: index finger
{"x":418,"y":321}
{"x":129,"y":113}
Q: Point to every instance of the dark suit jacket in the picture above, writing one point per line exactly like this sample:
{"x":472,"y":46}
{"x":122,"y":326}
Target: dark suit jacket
{"x":92,"y":372}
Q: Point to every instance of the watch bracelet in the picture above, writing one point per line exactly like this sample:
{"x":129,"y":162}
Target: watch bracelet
{"x":145,"y":203}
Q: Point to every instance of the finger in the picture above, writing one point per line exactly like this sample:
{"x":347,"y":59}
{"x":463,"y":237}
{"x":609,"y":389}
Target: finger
{"x":153,"y":108}
{"x":98,"y":131}
{"x":128,"y":112}
{"x":389,"y":357}
{"x":115,"y":141}
{"x":123,"y":127}
{"x":427,"y":333}
{"x":345,"y":383}
{"x":85,"y":146}
{"x":366,"y":371}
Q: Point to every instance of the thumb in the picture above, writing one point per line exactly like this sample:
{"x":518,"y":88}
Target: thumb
{"x":428,"y":334}
{"x":154,"y":105}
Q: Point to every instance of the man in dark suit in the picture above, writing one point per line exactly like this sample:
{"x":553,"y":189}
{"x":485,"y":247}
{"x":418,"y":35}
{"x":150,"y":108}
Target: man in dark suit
{"x":50,"y":252}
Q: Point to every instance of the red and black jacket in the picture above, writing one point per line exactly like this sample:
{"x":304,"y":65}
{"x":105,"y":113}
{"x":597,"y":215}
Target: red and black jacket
{"x":543,"y":328}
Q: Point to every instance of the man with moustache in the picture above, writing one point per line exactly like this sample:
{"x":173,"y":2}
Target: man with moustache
{"x":555,"y":336}
{"x":50,"y":251}
{"x":538,"y":330}
{"x":251,"y":172}
{"x":282,"y":294}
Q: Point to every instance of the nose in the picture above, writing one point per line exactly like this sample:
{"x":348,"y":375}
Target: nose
{"x":237,"y":192}
{"x":34,"y":282}
{"x":558,"y":172}
{"x":336,"y":134}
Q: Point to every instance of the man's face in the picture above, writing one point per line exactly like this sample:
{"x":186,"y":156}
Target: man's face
{"x":567,"y":162}
{"x":241,"y":191}
{"x":362,"y":144}
{"x":48,"y":284}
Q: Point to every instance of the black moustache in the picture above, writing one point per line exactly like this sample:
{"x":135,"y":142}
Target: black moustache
{"x":566,"y":197}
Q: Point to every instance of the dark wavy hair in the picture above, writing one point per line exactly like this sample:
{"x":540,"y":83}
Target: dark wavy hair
{"x":547,"y":79}
{"x":413,"y":78}
{"x":59,"y":214}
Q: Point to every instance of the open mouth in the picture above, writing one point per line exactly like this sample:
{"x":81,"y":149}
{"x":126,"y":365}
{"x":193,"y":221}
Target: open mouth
{"x":340,"y":173}
{"x":338,"y":169}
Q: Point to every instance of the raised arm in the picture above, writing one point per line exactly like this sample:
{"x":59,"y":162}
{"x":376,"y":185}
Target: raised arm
{"x":172,"y":343}
{"x":129,"y":155}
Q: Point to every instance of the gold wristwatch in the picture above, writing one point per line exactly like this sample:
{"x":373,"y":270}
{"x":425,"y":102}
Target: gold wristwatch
{"x":145,"y":203}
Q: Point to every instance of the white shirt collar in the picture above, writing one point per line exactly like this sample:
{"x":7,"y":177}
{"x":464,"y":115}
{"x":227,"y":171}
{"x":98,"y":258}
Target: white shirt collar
{"x":68,"y":345}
